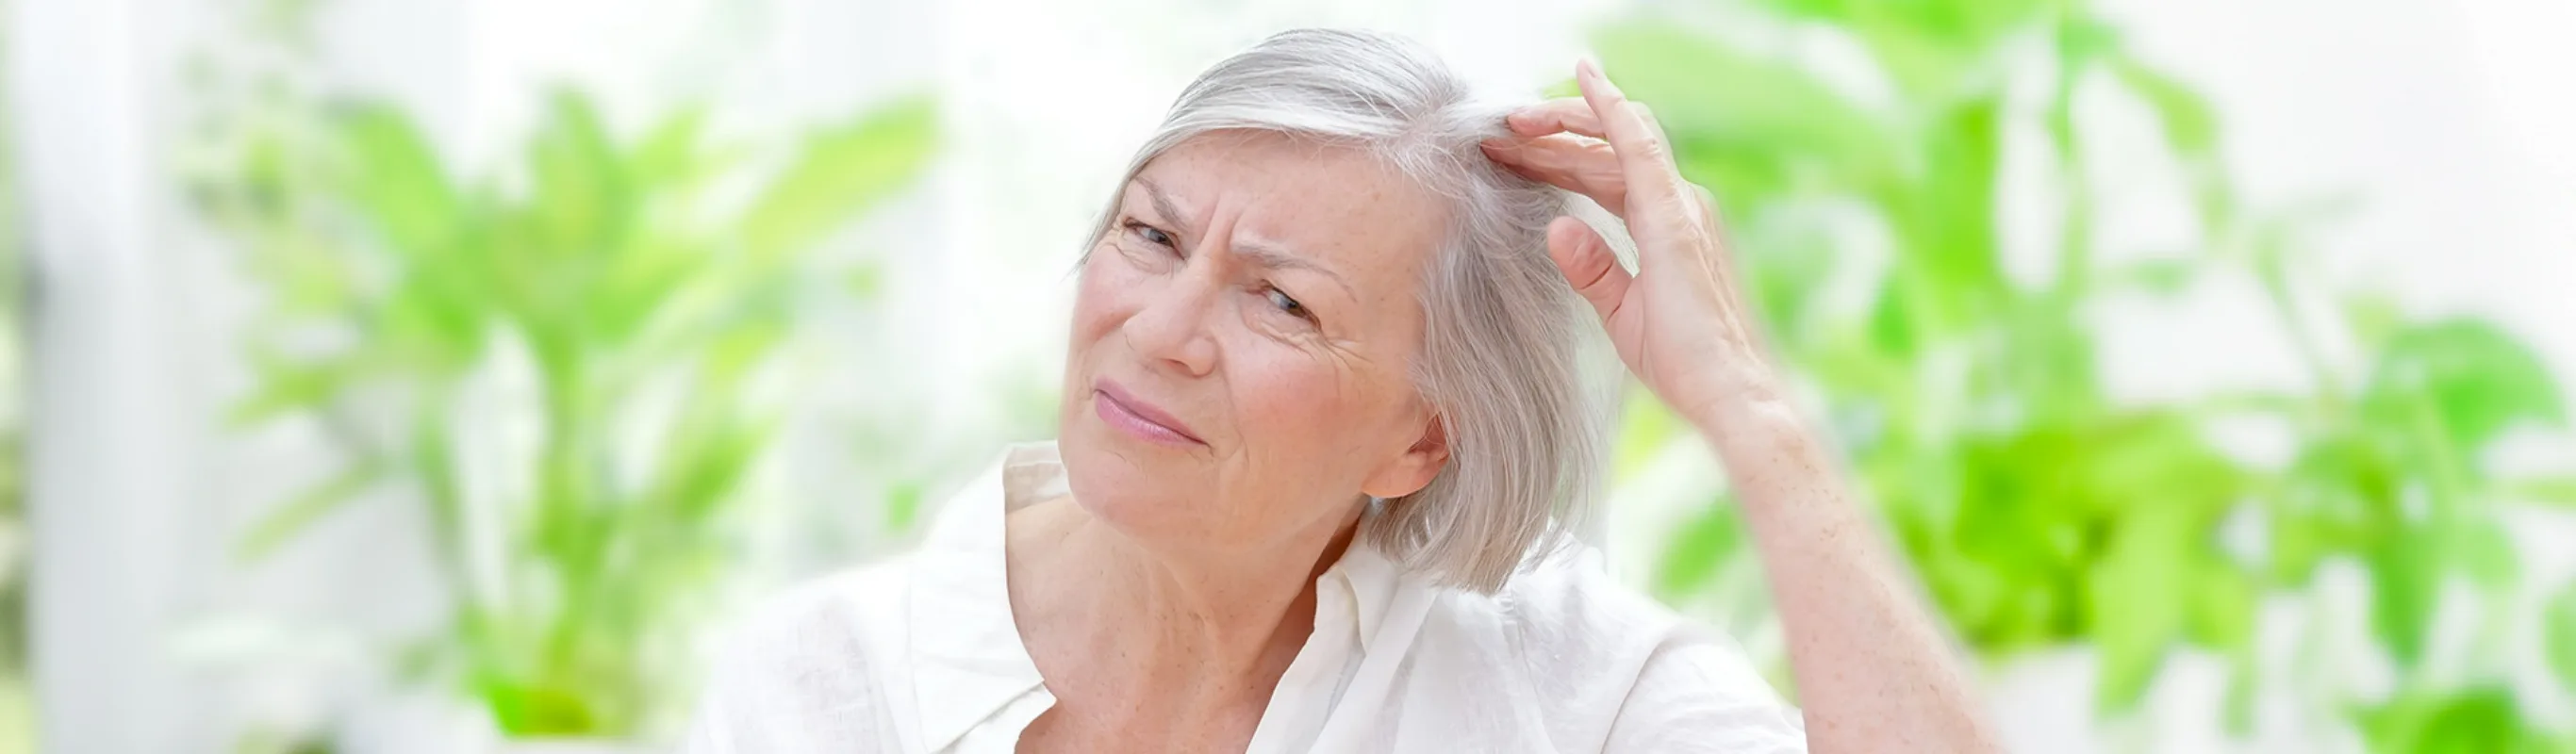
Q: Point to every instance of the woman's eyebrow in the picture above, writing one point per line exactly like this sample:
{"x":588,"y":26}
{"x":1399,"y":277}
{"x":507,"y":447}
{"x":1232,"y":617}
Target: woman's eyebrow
{"x":1260,"y":254}
{"x":1280,"y":260}
{"x":1163,"y":207}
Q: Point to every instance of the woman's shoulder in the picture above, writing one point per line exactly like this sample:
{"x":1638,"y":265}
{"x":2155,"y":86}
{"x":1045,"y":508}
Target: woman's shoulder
{"x":834,"y":608}
{"x":834,"y":616}
{"x":1613,"y":662}
{"x":806,"y":666}
{"x":1565,"y":602}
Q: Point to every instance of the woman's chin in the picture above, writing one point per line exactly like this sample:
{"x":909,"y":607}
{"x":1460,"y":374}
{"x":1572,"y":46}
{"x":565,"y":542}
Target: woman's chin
{"x":1114,"y":483}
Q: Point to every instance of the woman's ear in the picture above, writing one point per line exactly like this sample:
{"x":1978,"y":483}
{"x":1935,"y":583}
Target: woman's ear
{"x":1413,"y":469}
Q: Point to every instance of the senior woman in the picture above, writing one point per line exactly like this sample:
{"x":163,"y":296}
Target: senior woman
{"x":1321,"y":437}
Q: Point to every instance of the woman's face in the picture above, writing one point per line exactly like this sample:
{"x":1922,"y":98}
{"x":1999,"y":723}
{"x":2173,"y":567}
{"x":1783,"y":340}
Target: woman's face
{"x":1237,"y":373}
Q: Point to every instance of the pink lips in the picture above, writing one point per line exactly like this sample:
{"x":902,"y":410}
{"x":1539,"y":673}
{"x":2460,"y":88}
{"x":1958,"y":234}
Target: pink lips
{"x":1125,"y":411}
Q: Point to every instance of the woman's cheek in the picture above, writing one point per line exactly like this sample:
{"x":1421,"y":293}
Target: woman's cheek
{"x":1291,"y":393}
{"x":1107,"y":277}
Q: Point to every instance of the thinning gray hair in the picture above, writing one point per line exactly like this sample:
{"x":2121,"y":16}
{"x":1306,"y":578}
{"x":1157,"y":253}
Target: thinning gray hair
{"x":1502,"y":341}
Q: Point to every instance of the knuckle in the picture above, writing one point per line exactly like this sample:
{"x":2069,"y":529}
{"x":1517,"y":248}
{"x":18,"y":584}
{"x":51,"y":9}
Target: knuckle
{"x":1652,"y":145}
{"x":1653,"y":136}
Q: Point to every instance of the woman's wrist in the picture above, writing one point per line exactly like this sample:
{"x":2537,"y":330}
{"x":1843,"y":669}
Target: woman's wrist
{"x":1743,"y":424}
{"x":1746,"y":419}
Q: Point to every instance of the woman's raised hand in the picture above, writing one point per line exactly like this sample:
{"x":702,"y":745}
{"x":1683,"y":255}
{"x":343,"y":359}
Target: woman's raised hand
{"x":1679,"y":322}
{"x":1873,"y":669}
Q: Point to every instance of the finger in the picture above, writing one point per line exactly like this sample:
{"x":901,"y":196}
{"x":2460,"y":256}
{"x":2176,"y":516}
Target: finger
{"x":1633,"y":134}
{"x":1588,"y":264}
{"x":1509,"y":158}
{"x":1583,"y":166}
{"x":1706,"y":202}
{"x":1565,"y":115}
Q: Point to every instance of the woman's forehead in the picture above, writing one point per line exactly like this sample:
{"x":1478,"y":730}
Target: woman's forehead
{"x":1331,"y":206}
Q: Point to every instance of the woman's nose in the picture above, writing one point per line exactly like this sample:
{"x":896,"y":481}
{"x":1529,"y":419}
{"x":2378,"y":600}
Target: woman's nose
{"x":1172,"y":326}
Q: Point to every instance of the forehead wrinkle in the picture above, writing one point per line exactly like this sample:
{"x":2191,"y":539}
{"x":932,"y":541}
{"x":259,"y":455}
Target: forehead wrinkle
{"x":1162,"y":203}
{"x":1276,"y":259}
{"x":1260,"y":253}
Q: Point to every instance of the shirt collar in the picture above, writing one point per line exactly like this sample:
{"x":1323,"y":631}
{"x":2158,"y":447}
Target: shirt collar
{"x":968,"y":659}
{"x":1375,"y":583}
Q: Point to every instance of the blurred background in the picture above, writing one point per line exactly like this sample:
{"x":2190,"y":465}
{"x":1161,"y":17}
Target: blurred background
{"x":407,"y":376}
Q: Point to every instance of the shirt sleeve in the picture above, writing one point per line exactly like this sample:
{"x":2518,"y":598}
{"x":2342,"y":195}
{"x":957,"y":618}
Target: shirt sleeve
{"x":795,"y":677}
{"x":1698,"y":695}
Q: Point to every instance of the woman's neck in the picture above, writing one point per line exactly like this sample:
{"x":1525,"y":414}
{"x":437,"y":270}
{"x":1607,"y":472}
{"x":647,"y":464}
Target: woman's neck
{"x":1114,"y":625}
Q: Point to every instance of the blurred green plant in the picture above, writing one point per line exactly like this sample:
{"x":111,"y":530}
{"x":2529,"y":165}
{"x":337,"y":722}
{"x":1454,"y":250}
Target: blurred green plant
{"x":2039,"y":511}
{"x":17,"y":715}
{"x":643,"y":300}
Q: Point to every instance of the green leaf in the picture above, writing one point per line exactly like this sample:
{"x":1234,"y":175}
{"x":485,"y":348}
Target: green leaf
{"x":2406,"y":582}
{"x":1755,"y":123}
{"x":2480,"y":380}
{"x":2222,"y":603}
{"x":310,"y":275}
{"x":2482,"y":551}
{"x":289,"y":389}
{"x":712,"y":466}
{"x":299,"y":512}
{"x":2157,"y":462}
{"x":2242,"y":681}
{"x":2373,"y":318}
{"x":1699,"y":551}
{"x":2191,"y":130}
{"x":670,"y":155}
{"x":395,"y":180}
{"x":843,"y":171}
{"x":1785,"y":275}
{"x":582,"y":201}
{"x":1959,"y":28}
{"x":2190,"y":123}
{"x":730,"y":356}
{"x":433,"y":322}
{"x":2558,"y":635}
{"x":538,"y":710}
{"x":603,"y":270}
{"x":2339,"y":496}
{"x":2556,"y":491}
{"x":640,"y":287}
{"x":1948,"y":220}
{"x":902,"y":505}
{"x":433,"y":464}
{"x":2132,"y":606}
{"x":1646,"y":426}
{"x":2478,"y":720}
{"x":2161,"y":577}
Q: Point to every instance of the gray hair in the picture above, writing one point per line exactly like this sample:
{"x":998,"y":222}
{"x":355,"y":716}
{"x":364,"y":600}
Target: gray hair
{"x":1502,"y":342}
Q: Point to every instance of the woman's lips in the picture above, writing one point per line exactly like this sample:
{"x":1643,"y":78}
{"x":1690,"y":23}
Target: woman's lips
{"x":1123,"y":410}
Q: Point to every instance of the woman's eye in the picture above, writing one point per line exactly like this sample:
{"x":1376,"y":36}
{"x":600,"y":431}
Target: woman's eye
{"x":1280,"y":299}
{"x":1152,"y":235}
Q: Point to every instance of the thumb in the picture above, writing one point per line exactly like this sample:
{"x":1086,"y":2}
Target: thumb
{"x":1588,"y":264}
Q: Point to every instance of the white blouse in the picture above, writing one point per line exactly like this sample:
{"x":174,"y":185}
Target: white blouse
{"x":920,"y":654}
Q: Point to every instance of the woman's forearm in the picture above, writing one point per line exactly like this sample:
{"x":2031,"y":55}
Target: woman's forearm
{"x":1874,"y":672}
